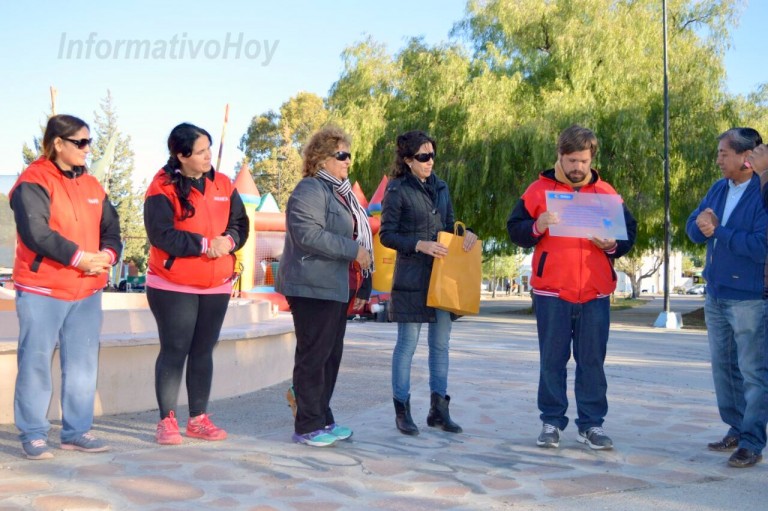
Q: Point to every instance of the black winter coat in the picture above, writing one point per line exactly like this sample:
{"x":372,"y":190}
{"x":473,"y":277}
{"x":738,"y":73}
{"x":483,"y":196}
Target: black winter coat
{"x":409,"y":214}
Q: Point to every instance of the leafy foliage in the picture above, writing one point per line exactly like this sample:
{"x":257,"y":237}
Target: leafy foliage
{"x":528,"y":70}
{"x":497,"y":268}
{"x":632,"y":264}
{"x":119,"y":184}
{"x":274,"y":141}
{"x":118,"y":181}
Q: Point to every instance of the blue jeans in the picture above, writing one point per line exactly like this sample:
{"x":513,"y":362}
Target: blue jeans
{"x":76,"y":326}
{"x":586,"y":325}
{"x":739,"y":351}
{"x":407,"y":339}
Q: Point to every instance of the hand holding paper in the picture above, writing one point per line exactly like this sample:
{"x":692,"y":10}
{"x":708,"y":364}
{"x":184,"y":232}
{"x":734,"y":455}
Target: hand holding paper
{"x":586,"y":215}
{"x":603,"y":244}
{"x":545,"y":220}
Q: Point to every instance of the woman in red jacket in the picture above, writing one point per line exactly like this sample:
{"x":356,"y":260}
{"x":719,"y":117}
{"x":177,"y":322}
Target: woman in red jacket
{"x":68,"y":236}
{"x":195,"y":221}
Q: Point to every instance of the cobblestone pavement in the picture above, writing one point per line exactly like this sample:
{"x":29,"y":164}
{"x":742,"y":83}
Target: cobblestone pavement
{"x":662,"y":414}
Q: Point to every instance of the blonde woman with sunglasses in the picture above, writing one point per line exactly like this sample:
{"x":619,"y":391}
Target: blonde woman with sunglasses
{"x":326,"y":264}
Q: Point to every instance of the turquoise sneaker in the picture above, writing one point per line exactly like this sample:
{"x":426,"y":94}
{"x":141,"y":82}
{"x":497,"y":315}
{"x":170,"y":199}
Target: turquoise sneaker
{"x":339,"y":431}
{"x":319,"y":438}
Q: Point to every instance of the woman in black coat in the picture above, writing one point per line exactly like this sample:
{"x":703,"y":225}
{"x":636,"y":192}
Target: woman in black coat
{"x":415,"y":208}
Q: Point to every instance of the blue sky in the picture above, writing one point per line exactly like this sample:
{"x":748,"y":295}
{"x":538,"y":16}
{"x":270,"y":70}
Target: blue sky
{"x":304,"y":40}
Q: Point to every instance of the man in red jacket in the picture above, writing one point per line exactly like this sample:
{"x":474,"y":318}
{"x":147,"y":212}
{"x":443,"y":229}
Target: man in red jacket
{"x":572,"y":280}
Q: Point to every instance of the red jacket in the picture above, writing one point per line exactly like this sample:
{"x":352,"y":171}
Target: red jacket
{"x":177,"y":252}
{"x":573,"y":269}
{"x":59,"y":214}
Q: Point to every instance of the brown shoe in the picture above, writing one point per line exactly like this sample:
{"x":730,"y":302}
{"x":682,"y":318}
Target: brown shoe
{"x":744,"y":458}
{"x":290,"y":395}
{"x":728,"y":443}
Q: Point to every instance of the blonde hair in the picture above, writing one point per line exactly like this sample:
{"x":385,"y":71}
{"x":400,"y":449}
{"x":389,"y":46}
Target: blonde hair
{"x":322,"y":145}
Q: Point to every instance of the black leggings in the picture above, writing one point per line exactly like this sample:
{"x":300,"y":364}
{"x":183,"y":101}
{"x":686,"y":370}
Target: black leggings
{"x":189,"y":326}
{"x":320,"y":326}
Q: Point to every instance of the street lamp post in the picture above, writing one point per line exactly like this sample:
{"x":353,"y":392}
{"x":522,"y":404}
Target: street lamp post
{"x":667,"y":319}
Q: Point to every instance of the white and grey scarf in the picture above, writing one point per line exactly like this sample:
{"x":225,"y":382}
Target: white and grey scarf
{"x":364,"y":236}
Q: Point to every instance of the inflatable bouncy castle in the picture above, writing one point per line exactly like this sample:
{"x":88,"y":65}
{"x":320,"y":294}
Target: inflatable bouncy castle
{"x":249,"y":193}
{"x":259,"y":257}
{"x":383,"y":257}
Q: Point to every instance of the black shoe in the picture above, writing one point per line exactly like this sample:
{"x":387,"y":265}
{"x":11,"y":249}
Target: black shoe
{"x":744,"y":458}
{"x":595,"y":438}
{"x":439,"y":414}
{"x":728,"y":443}
{"x":549,"y":436}
{"x":403,"y":418}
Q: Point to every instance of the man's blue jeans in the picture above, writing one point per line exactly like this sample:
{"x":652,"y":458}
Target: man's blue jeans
{"x":76,"y":326}
{"x":739,"y":351}
{"x":586,"y":325}
{"x":407,"y":339}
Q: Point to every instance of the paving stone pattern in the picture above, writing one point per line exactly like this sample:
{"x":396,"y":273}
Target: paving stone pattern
{"x":662,"y":414}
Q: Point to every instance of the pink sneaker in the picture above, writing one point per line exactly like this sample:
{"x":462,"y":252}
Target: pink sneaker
{"x":202,"y":427}
{"x":168,"y":431}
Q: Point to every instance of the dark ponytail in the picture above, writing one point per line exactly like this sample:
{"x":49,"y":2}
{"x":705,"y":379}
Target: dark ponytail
{"x":408,"y":144}
{"x":181,"y":141}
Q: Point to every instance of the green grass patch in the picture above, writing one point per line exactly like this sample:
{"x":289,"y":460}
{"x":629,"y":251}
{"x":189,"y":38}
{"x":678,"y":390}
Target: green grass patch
{"x":617,"y":305}
{"x":621,"y":304}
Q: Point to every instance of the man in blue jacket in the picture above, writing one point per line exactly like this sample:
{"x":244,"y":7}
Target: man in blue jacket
{"x":732,"y":221}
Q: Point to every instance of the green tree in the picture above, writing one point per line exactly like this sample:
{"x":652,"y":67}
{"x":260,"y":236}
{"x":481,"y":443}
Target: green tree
{"x":118,"y":181}
{"x":536,"y":68}
{"x":597,"y":62}
{"x":30,"y":153}
{"x":497,"y":268}
{"x":359,"y":100}
{"x":633,"y":263}
{"x":532,"y":69}
{"x":379,"y":96}
{"x":273,"y":143}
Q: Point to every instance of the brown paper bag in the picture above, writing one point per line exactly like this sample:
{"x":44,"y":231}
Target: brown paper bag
{"x":454,"y":285}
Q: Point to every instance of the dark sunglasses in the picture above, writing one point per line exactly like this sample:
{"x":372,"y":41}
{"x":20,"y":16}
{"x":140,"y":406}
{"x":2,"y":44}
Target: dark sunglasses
{"x":424,"y":157}
{"x":79,"y":143}
{"x":342,"y":155}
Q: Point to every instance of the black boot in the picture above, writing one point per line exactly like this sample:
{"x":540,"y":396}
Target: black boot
{"x":403,"y":417}
{"x":439,"y":416}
